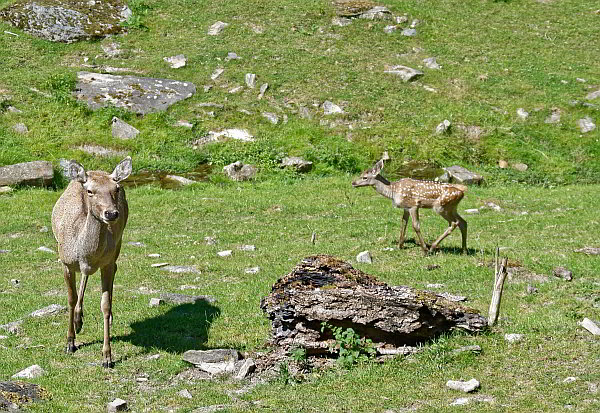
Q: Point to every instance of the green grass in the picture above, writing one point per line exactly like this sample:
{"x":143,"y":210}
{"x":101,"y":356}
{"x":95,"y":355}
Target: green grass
{"x":530,"y":52}
{"x":520,"y":377}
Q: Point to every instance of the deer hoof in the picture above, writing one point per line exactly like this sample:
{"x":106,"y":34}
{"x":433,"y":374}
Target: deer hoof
{"x":71,"y":348}
{"x":108,"y":364}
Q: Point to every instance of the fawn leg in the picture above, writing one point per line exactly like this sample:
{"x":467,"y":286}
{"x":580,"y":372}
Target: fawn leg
{"x":108,"y":274}
{"x":403,"y":230}
{"x":71,"y":301}
{"x":450,"y":216}
{"x":78,"y":320}
{"x":414,"y":214}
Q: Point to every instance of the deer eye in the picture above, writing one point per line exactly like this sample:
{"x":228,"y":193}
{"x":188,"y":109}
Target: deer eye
{"x":90,"y":193}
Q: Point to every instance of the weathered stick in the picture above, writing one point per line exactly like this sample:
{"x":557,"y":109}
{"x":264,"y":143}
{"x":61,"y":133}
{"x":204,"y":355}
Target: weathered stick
{"x":499,"y":277}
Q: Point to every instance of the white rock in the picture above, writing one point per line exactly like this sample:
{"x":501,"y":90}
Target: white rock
{"x":522,"y":113}
{"x":472,"y":211}
{"x":226,"y":253}
{"x":586,"y":124}
{"x":442,"y":127}
{"x":52,"y":309}
{"x":253,"y":270}
{"x":117,"y":405}
{"x":153,"y":255}
{"x":435,"y":286}
{"x":431,"y":63}
{"x":180,"y":179}
{"x":218,"y":72}
{"x":390,"y":29}
{"x":248,"y":247}
{"x":176,"y":61}
{"x":493,"y":206}
{"x":593,"y":95}
{"x":159,"y":264}
{"x":513,"y":338}
{"x":185,"y":394}
{"x":46,"y":249}
{"x":405,"y":72}
{"x":570,"y":379}
{"x":466,"y":386}
{"x":217,"y":28}
{"x":271,"y":117}
{"x":364,"y":257}
{"x":263,"y":89}
{"x":461,"y":401}
{"x":155,"y":302}
{"x":237,"y":134}
{"x":247,"y":368}
{"x":30,"y":372}
{"x":409,"y":32}
{"x":250,"y":80}
{"x":590,"y":326}
{"x":330,"y":108}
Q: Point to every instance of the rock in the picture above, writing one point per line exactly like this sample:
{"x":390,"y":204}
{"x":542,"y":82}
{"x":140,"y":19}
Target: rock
{"x":5,"y":190}
{"x":434,"y":285}
{"x":20,"y":128}
{"x":263,"y":89}
{"x":409,"y":32}
{"x":67,"y":21}
{"x":246,"y":369}
{"x":98,"y":150}
{"x":465,"y":386}
{"x":231,"y":56}
{"x":217,"y":28}
{"x":237,"y":171}
{"x":35,"y":173}
{"x":390,"y":29}
{"x":522,"y":113}
{"x":218,"y":72}
{"x":136,"y":244}
{"x":471,"y":349}
{"x":178,"y":299}
{"x":531,"y":289}
{"x":376,"y":13}
{"x":117,"y":405}
{"x":46,"y":249}
{"x":431,"y":63}
{"x":155,"y":302}
{"x":176,"y":61}
{"x":153,"y":357}
{"x":570,"y":379}
{"x":406,"y":73}
{"x":502,"y":164}
{"x":252,"y":270}
{"x":589,"y":250}
{"x":237,"y":134}
{"x":593,"y":95}
{"x":364,"y":257}
{"x":248,"y":247}
{"x":586,"y":124}
{"x":491,"y":205}
{"x":472,"y":211}
{"x":13,"y":327}
{"x":461,"y":175}
{"x":140,"y":95}
{"x":554,"y":116}
{"x":159,"y":264}
{"x":112,"y":49}
{"x":181,"y":269}
{"x":13,"y":392}
{"x":473,"y":132}
{"x":513,"y":338}
{"x":15,"y":282}
{"x":521,"y":167}
{"x":184,"y":124}
{"x":226,"y":253}
{"x":250,"y":80}
{"x":296,"y":163}
{"x":52,"y":309}
{"x":210,"y":240}
{"x":589,"y":325}
{"x":271,"y":117}
{"x":453,"y":297}
{"x":562,"y":272}
{"x":122,"y":130}
{"x":236,"y":89}
{"x":185,"y":393}
{"x":442,"y":127}
{"x":330,"y":108}
{"x":30,"y":372}
{"x":341,"y":21}
{"x":179,"y":179}
{"x":461,"y":401}
{"x":219,"y":361}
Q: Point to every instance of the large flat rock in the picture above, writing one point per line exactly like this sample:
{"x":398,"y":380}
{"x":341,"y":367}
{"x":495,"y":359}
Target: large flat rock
{"x":67,"y":21}
{"x":138,"y":94}
{"x":36,"y":173}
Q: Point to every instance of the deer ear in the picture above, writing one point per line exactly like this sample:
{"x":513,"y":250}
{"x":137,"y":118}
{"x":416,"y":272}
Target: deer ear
{"x":378,"y":166}
{"x":122,"y":170}
{"x":76,"y":172}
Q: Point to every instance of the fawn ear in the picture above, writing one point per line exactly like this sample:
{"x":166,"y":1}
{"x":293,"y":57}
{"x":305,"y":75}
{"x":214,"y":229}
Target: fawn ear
{"x":378,"y":166}
{"x":122,"y":170}
{"x":76,"y":172}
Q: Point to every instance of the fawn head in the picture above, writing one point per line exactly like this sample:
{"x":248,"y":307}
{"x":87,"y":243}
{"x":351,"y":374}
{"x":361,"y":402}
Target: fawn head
{"x":368,"y":177}
{"x":103,"y":192}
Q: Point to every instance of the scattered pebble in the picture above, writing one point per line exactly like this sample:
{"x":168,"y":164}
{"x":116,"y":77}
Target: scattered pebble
{"x":46,"y":249}
{"x":465,"y":386}
{"x":364,"y":257}
{"x":570,"y":379}
{"x":435,"y":285}
{"x":531,"y":289}
{"x":30,"y":372}
{"x":253,"y":270}
{"x":226,"y":253}
{"x":590,"y":326}
{"x":159,"y":264}
{"x":136,"y":244}
{"x":513,"y":337}
{"x":248,"y":248}
{"x":562,"y":272}
{"x":431,"y":63}
{"x":153,"y":357}
{"x":330,"y":108}
{"x":217,"y":28}
{"x":117,"y":405}
{"x":522,"y":113}
{"x":155,"y":302}
{"x":472,"y":211}
{"x":250,"y":80}
{"x":409,"y":32}
{"x":176,"y":61}
{"x":185,"y":394}
{"x":153,"y":255}
{"x":586,"y":124}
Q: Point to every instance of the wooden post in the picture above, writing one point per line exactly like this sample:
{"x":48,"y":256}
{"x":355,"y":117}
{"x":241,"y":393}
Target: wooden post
{"x":499,"y":277}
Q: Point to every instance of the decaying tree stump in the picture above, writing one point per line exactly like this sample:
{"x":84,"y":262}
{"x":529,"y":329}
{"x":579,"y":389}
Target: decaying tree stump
{"x":325,"y":289}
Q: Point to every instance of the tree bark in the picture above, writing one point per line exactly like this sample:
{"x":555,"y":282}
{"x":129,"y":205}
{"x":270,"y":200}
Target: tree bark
{"x":325,"y":289}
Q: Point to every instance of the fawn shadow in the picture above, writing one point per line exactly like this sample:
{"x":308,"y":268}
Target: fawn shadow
{"x":183,"y":327}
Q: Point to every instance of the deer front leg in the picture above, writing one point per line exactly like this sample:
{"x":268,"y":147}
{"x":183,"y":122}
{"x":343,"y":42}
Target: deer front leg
{"x":108,"y":274}
{"x":414,"y":214}
{"x":451,"y":227}
{"x":403,"y":229}
{"x":79,"y":307}
{"x":71,"y":301}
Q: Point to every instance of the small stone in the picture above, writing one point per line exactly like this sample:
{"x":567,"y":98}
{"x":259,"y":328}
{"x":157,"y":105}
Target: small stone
{"x":184,"y":124}
{"x":44,"y":229}
{"x":472,"y":211}
{"x":590,"y":326}
{"x":471,"y":349}
{"x":176,"y":61}
{"x":263,"y":89}
{"x":563,"y":272}
{"x":153,"y":255}
{"x":406,"y":73}
{"x":513,"y":337}
{"x":226,"y":253}
{"x":153,"y":357}
{"x":250,"y":80}
{"x":299,"y":164}
{"x":521,"y":167}
{"x":435,"y":285}
{"x":155,"y":302}
{"x":159,"y":264}
{"x":586,"y":124}
{"x":248,"y":247}
{"x":185,"y":394}
{"x":415,"y":23}
{"x":218,"y":72}
{"x":136,"y":244}
{"x":502,"y":164}
{"x":465,"y":386}
{"x":180,"y":179}
{"x":217,"y":28}
{"x":364,"y":257}
{"x":238,"y":171}
{"x":122,"y":130}
{"x":330,"y":108}
{"x":271,"y":117}
{"x":431,"y":63}
{"x":117,"y":405}
{"x":235,"y":89}
{"x":522,"y":113}
{"x":409,"y":32}
{"x":52,"y":309}
{"x":531,"y":289}
{"x":570,"y":379}
{"x":443,"y":127}
{"x":462,"y":175}
{"x":237,"y":134}
{"x":14,"y":327}
{"x":390,"y":29}
{"x":20,"y":128}
{"x":5,"y":190}
{"x":461,"y":401}
{"x":453,"y":297}
{"x":589,"y":250}
{"x":231,"y":56}
{"x":341,"y":21}
{"x":554,"y":116}
{"x":12,"y":109}
{"x":46,"y":249}
{"x":181,"y":269}
{"x":30,"y":372}
{"x":253,"y":270}
{"x":246,"y":369}
{"x":210,"y":240}
{"x":493,"y":206}
{"x":593,"y":95}
{"x":15,"y":282}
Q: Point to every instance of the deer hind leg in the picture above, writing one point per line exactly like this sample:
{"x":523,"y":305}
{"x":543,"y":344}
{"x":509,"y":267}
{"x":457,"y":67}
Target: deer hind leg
{"x":462,"y":225}
{"x":78,"y":320}
{"x":403,"y":229}
{"x":108,"y":276}
{"x":414,"y":214}
{"x":71,"y":301}
{"x":454,"y":220}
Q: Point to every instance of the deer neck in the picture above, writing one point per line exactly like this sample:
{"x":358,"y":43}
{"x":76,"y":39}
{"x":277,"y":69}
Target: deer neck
{"x":92,"y":233}
{"x":383,"y":187}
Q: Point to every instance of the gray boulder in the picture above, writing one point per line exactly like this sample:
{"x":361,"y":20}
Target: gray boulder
{"x":123,"y":130}
{"x":140,"y":95}
{"x":67,"y":21}
{"x":299,"y":164}
{"x":461,"y":175}
{"x":36,"y":173}
{"x":237,"y":171}
{"x":406,"y":73}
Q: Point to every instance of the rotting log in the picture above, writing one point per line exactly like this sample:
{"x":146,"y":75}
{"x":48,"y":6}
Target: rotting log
{"x":323,"y":288}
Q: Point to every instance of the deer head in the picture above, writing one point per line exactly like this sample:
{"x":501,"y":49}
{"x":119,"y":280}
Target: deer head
{"x":369,"y":176}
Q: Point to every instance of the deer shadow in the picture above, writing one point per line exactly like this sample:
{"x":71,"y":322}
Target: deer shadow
{"x":183,"y":327}
{"x":444,"y":249}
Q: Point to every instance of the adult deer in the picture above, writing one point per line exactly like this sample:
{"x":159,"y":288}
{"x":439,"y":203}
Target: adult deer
{"x":88,"y":222}
{"x":411,"y":194}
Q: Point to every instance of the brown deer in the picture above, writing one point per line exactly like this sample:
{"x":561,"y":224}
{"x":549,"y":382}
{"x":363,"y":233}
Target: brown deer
{"x":88,"y":222}
{"x":412,"y":194}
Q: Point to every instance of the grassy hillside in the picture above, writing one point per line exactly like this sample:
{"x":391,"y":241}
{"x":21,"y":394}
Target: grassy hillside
{"x":495,"y":57}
